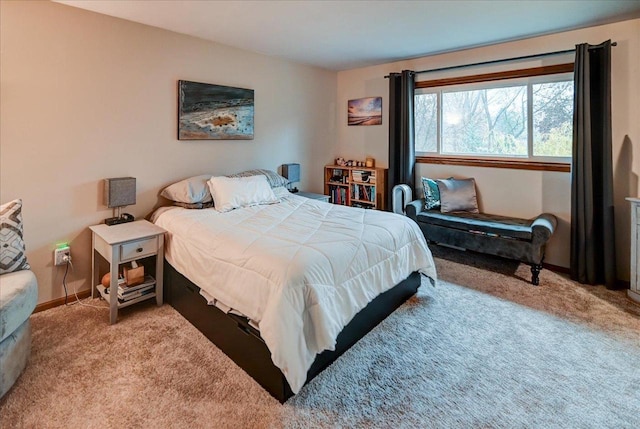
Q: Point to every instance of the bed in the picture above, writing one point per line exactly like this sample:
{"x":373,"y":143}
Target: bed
{"x":285,"y":288}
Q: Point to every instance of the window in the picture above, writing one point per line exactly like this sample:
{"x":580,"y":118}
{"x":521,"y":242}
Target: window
{"x":528,"y":119}
{"x":552,"y":119}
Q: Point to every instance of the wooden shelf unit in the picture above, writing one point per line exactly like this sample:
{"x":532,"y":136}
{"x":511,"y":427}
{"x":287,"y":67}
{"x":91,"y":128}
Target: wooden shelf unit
{"x":356,"y":186}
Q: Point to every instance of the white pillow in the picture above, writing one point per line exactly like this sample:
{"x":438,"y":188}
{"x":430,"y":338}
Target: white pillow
{"x":234,"y":192}
{"x":192,"y":190}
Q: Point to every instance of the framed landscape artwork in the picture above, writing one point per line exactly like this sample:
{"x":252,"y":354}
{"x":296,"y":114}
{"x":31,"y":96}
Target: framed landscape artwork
{"x":214,"y":112}
{"x":365,"y":111}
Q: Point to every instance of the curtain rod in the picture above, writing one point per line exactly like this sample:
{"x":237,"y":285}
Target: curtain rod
{"x":504,"y":60}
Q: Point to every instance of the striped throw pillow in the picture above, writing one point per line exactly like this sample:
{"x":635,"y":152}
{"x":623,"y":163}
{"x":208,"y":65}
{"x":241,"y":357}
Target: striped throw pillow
{"x":275,"y":180}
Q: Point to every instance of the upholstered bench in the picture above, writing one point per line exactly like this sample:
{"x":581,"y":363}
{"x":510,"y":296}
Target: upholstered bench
{"x":18,"y":296}
{"x":512,"y":238}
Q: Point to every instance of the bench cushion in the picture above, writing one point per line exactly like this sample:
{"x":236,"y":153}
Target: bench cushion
{"x":482,"y":222}
{"x":18,"y":299}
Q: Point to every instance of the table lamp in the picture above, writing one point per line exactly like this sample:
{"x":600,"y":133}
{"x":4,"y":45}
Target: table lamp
{"x":291,"y":172}
{"x":119,"y":192}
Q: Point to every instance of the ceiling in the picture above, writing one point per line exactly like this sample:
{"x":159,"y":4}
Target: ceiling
{"x":341,"y":35}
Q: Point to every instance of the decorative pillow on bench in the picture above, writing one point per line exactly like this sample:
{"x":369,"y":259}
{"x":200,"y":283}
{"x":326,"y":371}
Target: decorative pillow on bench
{"x":457,"y":195}
{"x":431,"y":193}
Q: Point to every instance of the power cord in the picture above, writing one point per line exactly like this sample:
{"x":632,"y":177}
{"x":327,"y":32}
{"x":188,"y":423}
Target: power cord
{"x":64,"y":279}
{"x":67,"y":259}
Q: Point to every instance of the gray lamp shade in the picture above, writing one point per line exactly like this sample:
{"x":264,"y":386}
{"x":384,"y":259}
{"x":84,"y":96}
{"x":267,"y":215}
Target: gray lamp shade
{"x":291,"y":172}
{"x":119,"y":191}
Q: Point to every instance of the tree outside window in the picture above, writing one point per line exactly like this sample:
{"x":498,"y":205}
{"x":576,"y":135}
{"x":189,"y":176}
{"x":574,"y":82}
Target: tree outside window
{"x":525,"y":120}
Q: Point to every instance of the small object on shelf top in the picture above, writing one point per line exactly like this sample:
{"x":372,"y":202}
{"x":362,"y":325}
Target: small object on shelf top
{"x":347,"y":165}
{"x":341,"y":162}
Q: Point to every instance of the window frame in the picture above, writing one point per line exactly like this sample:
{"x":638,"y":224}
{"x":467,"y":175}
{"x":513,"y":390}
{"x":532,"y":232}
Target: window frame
{"x":527,"y":77}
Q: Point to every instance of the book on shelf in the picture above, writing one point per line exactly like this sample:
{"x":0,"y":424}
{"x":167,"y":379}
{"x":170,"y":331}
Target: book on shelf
{"x":338,"y":176}
{"x":338,"y":195}
{"x":148,"y":281}
{"x":361,"y":205}
{"x":364,"y":176}
{"x":363,"y":193}
{"x":136,"y":294}
{"x":144,"y":286}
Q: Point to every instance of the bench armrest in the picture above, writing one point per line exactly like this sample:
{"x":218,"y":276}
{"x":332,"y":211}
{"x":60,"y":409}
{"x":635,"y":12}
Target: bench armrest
{"x":413,"y":208}
{"x":543,"y":227}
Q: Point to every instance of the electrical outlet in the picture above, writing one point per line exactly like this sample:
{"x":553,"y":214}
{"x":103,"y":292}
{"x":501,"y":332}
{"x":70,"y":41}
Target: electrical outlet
{"x":62,"y":254}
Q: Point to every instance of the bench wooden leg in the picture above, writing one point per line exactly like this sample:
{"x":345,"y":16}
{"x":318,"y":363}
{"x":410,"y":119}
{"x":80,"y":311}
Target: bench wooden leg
{"x":535,"y":272}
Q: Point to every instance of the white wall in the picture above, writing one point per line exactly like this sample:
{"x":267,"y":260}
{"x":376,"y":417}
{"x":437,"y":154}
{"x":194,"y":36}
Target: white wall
{"x":518,"y":192}
{"x":86,"y":96}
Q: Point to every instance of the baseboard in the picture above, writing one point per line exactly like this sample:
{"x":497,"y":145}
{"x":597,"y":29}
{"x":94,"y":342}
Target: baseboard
{"x":556,"y":268}
{"x":620,"y":284}
{"x":623,"y":284}
{"x":60,"y":301}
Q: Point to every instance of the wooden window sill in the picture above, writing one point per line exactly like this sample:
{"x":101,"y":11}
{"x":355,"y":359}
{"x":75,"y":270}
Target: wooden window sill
{"x":496,"y":163}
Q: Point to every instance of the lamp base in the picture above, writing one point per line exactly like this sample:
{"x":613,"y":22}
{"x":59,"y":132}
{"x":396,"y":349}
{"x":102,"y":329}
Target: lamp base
{"x":118,"y":220}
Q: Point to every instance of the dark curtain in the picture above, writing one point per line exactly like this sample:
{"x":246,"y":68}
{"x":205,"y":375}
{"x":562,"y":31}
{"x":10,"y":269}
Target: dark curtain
{"x":593,"y":255}
{"x":402,"y":153}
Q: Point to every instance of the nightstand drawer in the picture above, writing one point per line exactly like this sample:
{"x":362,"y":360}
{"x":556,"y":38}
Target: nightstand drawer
{"x":138,"y":249}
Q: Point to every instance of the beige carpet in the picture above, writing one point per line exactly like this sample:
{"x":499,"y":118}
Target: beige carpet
{"x":482,"y":349}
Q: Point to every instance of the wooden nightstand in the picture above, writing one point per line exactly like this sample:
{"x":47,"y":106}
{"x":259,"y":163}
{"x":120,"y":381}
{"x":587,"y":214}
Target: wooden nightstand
{"x":118,"y":244}
{"x":313,"y":196}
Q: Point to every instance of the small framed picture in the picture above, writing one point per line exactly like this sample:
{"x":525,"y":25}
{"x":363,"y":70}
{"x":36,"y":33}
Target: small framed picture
{"x":365,"y":111}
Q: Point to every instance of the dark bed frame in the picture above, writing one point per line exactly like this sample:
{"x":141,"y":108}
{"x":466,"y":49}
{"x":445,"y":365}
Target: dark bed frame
{"x":243,"y":344}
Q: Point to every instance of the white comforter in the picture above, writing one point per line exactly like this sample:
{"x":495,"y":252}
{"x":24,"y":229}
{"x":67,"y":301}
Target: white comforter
{"x":300,"y":268}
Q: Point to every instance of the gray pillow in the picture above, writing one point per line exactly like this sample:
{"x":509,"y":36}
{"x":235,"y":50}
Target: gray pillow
{"x":193,"y":205}
{"x":275,"y":180}
{"x":431,"y":193}
{"x":458,"y":195}
{"x":192,"y":190}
